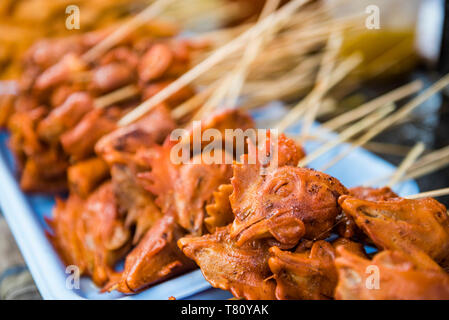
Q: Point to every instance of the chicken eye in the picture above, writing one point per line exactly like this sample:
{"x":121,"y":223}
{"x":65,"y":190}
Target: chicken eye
{"x":282,"y":188}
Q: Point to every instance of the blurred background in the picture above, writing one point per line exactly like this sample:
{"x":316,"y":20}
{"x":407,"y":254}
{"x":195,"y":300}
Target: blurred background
{"x":412,"y":43}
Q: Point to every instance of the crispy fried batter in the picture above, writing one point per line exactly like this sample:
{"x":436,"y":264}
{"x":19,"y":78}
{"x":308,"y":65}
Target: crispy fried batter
{"x":183,"y":189}
{"x":391,"y":275}
{"x":84,"y":176}
{"x":156,"y":258}
{"x":64,"y":117}
{"x":79,"y":142}
{"x":242,"y":270}
{"x":346,"y":226}
{"x":121,"y":145}
{"x":220,"y":211}
{"x":282,"y":202}
{"x":90,"y":233}
{"x":403,"y":224}
{"x":308,"y":273}
{"x":133,"y":201}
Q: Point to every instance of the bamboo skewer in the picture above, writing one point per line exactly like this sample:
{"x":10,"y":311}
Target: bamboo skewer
{"x":387,"y":148}
{"x":430,"y":194}
{"x":414,"y":154}
{"x":370,"y":134}
{"x":320,"y":90}
{"x":324,"y":78}
{"x":425,"y":165}
{"x":240,"y":72}
{"x":116,"y":96}
{"x":193,"y":103}
{"x":372,"y":105}
{"x":426,"y":169}
{"x":134,"y":23}
{"x":397,"y":116}
{"x":280,"y":15}
{"x":346,"y":134}
{"x":431,"y":158}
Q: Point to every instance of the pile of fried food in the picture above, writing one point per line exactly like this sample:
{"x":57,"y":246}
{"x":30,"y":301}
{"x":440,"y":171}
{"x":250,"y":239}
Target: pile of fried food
{"x":66,"y":104}
{"x":259,"y":230}
{"x":263,"y":230}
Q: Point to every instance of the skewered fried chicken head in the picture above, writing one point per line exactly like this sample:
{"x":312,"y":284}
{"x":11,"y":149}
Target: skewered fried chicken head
{"x":403,"y":224}
{"x":282,"y":202}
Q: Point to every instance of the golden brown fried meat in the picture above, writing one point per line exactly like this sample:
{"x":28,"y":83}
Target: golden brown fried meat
{"x":175,"y":99}
{"x":64,"y":117}
{"x":183,"y":189}
{"x":90,"y":233}
{"x":121,"y":145}
{"x":22,"y":125}
{"x":243,"y":270}
{"x":282,"y":202}
{"x":308,"y":274}
{"x":79,"y":142}
{"x":45,"y":172}
{"x":346,"y":226}
{"x":67,"y":243}
{"x":219,"y":211}
{"x":221,"y":120}
{"x":134,"y":202}
{"x":155,"y":62}
{"x":156,"y":258}
{"x":83,"y":177}
{"x":60,"y":72}
{"x":372,"y":194}
{"x":110,"y":77}
{"x":391,"y":275}
{"x":120,"y":149}
{"x":403,"y":224}
{"x":6,"y":108}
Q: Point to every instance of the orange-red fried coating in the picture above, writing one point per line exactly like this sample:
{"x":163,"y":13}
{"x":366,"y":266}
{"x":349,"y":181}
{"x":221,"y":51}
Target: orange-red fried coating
{"x":282,"y":202}
{"x":346,"y":226}
{"x":403,"y":224}
{"x":154,"y":259}
{"x":308,"y":273}
{"x":219,"y":211}
{"x":391,"y":275}
{"x":90,"y":233}
{"x":243,"y":270}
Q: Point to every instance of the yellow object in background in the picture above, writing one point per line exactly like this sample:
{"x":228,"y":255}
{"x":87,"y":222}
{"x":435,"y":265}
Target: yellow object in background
{"x":386,"y":52}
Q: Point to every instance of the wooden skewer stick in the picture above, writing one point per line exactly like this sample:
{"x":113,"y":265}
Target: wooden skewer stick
{"x":370,"y":134}
{"x":425,"y":165}
{"x":431,"y":158}
{"x":320,"y":90}
{"x":134,"y":23}
{"x":194,"y":102}
{"x":346,"y":134}
{"x":396,"y":117}
{"x":240,"y":72}
{"x":280,"y":15}
{"x":414,"y":154}
{"x":387,"y":148}
{"x":372,"y":105}
{"x":427,"y":169}
{"x":323,"y":78}
{"x":430,"y":194}
{"x":116,"y":96}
